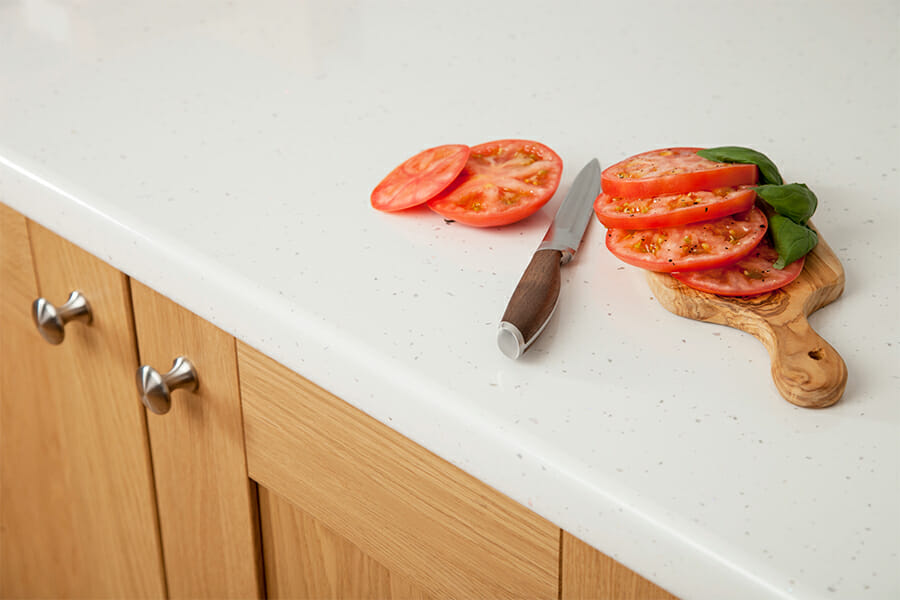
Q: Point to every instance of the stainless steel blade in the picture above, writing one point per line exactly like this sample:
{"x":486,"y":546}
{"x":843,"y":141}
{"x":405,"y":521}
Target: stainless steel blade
{"x":574,"y":213}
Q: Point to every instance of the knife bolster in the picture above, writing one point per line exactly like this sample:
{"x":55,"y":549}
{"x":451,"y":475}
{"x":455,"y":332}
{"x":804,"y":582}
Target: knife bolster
{"x":534,"y":299}
{"x":567,"y":253}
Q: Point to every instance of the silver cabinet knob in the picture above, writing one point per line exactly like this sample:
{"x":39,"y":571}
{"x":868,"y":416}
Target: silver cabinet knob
{"x":156,"y":389}
{"x":51,"y":321}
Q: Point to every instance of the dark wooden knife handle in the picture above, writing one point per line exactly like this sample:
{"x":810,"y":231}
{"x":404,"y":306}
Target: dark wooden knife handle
{"x":535,"y":297}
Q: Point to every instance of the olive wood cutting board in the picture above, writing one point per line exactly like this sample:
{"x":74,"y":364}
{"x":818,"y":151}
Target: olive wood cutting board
{"x":807,"y":371}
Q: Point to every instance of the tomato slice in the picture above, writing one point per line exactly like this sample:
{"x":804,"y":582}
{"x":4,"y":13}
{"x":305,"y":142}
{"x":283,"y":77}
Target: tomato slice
{"x":503,"y":182}
{"x":672,"y":171}
{"x":672,"y":209}
{"x":420,"y":178}
{"x":750,"y":276}
{"x":690,"y":247}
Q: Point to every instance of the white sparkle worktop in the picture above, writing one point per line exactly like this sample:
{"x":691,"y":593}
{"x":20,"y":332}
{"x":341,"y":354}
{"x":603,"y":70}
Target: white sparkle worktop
{"x":224,"y":152}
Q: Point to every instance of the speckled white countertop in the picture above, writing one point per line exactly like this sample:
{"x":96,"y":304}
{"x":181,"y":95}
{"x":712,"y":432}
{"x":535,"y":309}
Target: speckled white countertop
{"x":223,"y":153}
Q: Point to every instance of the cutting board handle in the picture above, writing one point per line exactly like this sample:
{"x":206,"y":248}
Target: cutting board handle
{"x":806,"y":369}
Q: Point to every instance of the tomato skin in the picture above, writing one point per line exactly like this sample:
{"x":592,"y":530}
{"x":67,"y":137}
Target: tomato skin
{"x":750,"y":276}
{"x":690,"y":247}
{"x":672,"y":209}
{"x":502,"y":182}
{"x":420,"y":178}
{"x":650,"y":174}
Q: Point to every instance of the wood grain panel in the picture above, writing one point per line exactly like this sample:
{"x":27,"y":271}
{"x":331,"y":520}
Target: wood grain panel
{"x":422,"y":518}
{"x":207,"y":504}
{"x":404,"y":589}
{"x":78,"y":512}
{"x":304,"y":559}
{"x":588,"y":574}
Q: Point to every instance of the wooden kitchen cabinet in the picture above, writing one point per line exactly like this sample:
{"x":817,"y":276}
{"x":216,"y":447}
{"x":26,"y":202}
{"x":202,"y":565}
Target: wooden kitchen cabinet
{"x":259,"y":483}
{"x":352,"y":509}
{"x":94,"y":504}
{"x":78,"y":511}
{"x":418,"y":516}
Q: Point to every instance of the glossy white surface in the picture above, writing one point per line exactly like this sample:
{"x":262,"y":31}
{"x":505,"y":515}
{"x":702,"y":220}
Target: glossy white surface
{"x":223,"y":153}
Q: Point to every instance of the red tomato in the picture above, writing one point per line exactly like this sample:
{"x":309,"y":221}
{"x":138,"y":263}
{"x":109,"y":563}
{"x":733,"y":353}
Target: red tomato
{"x":672,"y":171}
{"x":749,"y":276}
{"x":502,"y":182}
{"x":420,"y":178}
{"x":690,"y":247}
{"x":672,"y":209}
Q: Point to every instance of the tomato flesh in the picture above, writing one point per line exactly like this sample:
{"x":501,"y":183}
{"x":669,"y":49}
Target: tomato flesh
{"x":502,"y":182}
{"x":690,"y":247}
{"x":672,"y":171}
{"x":420,"y":178}
{"x":750,"y":276}
{"x":672,"y":209}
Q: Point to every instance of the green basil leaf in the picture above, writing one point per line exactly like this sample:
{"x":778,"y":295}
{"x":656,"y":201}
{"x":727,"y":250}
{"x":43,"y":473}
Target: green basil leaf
{"x":791,"y":240}
{"x":793,"y":200}
{"x":737,"y":154}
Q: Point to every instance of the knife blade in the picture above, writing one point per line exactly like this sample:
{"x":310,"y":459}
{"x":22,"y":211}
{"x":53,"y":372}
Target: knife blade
{"x":537,"y":294}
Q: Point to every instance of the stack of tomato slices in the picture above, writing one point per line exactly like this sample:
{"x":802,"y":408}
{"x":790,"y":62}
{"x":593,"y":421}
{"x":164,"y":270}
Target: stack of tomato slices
{"x":673,"y":211}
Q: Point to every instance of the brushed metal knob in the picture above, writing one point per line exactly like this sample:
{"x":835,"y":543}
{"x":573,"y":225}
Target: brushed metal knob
{"x":156,"y":389}
{"x":51,"y":321}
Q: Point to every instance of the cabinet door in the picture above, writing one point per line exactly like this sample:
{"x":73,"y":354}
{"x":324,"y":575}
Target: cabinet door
{"x":420,"y":517}
{"x":207,"y":503}
{"x":78,"y":511}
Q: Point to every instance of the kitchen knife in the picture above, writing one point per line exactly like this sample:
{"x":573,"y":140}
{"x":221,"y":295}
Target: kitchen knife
{"x":535,"y":298}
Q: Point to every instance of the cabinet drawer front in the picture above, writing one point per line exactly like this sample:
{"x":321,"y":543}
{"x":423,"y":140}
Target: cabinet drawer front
{"x":413,"y":512}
